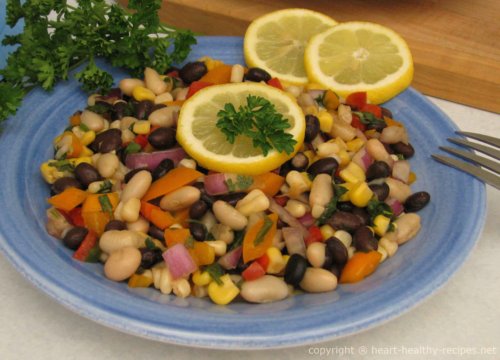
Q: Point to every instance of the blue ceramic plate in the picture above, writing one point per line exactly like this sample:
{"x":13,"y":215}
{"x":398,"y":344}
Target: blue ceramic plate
{"x":418,"y":269}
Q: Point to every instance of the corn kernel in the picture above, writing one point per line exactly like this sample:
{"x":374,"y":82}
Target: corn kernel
{"x":298,"y":182}
{"x":286,"y":258}
{"x":276,"y":262}
{"x":344,"y":237}
{"x":141,"y":93}
{"x":142,"y":127}
{"x":412,"y":178}
{"x":201,"y":278}
{"x":382,"y":252}
{"x":344,"y":158}
{"x":328,"y":148}
{"x":225,"y":293}
{"x":381,"y":224}
{"x":330,"y":100}
{"x":327,"y":231}
{"x":220,"y":247}
{"x":86,"y":152}
{"x":360,"y":194}
{"x":352,"y":173}
{"x":325,"y":121}
{"x":88,"y":137}
{"x":341,"y":143}
{"x":355,"y":144}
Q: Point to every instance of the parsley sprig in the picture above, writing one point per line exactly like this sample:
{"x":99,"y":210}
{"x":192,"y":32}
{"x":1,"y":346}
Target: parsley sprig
{"x":49,"y":48}
{"x":259,"y":121}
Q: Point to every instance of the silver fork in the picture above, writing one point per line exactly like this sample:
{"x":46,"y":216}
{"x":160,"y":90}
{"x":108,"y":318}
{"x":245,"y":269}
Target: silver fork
{"x":472,"y":167}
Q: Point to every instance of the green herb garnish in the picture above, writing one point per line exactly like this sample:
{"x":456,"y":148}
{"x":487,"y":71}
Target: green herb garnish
{"x":48,"y":49}
{"x":84,"y":127}
{"x":259,"y":121}
{"x":242,"y":183}
{"x":189,"y":242}
{"x":376,"y":207}
{"x":268,"y":223}
{"x":105,"y":187}
{"x":150,"y":243}
{"x":132,"y":148}
{"x":105,"y":204}
{"x":238,"y":240}
{"x":331,"y":207}
{"x":369,"y":119}
{"x":215,"y":271}
{"x":62,"y":165}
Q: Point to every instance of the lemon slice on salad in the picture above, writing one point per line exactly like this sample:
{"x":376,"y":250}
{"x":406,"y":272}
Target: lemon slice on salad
{"x":276,"y":41}
{"x":360,"y":56}
{"x":200,"y":137}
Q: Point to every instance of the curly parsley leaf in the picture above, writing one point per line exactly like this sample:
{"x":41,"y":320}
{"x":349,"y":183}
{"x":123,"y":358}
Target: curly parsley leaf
{"x":216,"y":272}
{"x":331,"y":207}
{"x":259,"y":121}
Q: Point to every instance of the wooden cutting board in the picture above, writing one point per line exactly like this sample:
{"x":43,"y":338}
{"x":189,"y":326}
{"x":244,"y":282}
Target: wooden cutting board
{"x":455,"y":43}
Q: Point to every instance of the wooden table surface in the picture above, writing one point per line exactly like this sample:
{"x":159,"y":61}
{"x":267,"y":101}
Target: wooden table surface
{"x":455,"y":43}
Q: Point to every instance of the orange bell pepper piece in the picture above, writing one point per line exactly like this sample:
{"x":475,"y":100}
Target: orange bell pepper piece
{"x":93,"y":214}
{"x":202,"y":254}
{"x":93,"y":204}
{"x":218,"y":75}
{"x":176,"y":236}
{"x":173,"y":180}
{"x":270,"y":183}
{"x":161,"y":219}
{"x":392,"y":122}
{"x":69,"y":199}
{"x":259,"y":238}
{"x":75,"y":119}
{"x":359,"y":266}
{"x":138,"y":280}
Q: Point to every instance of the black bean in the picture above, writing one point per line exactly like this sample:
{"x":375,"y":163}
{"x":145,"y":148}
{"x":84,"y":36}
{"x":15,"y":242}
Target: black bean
{"x":198,"y":230}
{"x":377,"y":170}
{"x":336,"y":270}
{"x":192,"y":71}
{"x":74,"y":237}
{"x":381,"y":191}
{"x":257,"y":75}
{"x":131,"y":174}
{"x":295,"y":269}
{"x":156,"y":232}
{"x":346,"y":206}
{"x":377,"y":126}
{"x":312,"y":128}
{"x":163,"y":167}
{"x":299,"y":162}
{"x":364,"y":240}
{"x":417,"y":201}
{"x":326,"y":165}
{"x":362,"y":215}
{"x":121,"y":109}
{"x":342,"y":220}
{"x":157,"y":107}
{"x":386,"y":112}
{"x":198,"y":209}
{"x":337,"y":250}
{"x":115,"y":225}
{"x":406,"y":150}
{"x":232,"y":198}
{"x":162,"y":138}
{"x":86,"y":174}
{"x":107,"y":141}
{"x":63,"y":183}
{"x":150,"y":257}
{"x":142,"y":109}
{"x":328,"y":262}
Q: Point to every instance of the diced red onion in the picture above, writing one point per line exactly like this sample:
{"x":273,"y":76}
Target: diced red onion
{"x":287,"y":217}
{"x":294,"y":241}
{"x":215,"y":184}
{"x":396,"y":206}
{"x":179,"y":261}
{"x":363,"y":159}
{"x":307,"y":220}
{"x":401,"y":170}
{"x":230,"y":260}
{"x":152,"y":160}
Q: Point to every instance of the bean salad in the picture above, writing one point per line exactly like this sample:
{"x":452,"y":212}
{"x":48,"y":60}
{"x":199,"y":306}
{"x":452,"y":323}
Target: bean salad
{"x":124,"y":193}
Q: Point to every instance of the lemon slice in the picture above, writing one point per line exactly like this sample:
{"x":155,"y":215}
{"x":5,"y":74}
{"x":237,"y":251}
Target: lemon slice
{"x":360,"y":56}
{"x":203,"y":141}
{"x":275,"y":42}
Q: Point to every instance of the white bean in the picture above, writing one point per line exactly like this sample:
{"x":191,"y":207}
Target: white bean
{"x":180,"y":198}
{"x":321,"y":194}
{"x":237,"y":73}
{"x":398,"y":190}
{"x":153,"y":81}
{"x":265,"y":289}
{"x":222,"y":232}
{"x":315,"y":254}
{"x":163,"y":98}
{"x":377,"y":151}
{"x":141,"y":225}
{"x":128,"y":85}
{"x":122,"y":263}
{"x":130,"y":210}
{"x":137,"y":186}
{"x":407,"y":226}
{"x":393,"y":134}
{"x":107,"y":164}
{"x":255,"y":201}
{"x":318,"y":280}
{"x":114,"y":240}
{"x":92,"y":120}
{"x":228,"y":215}
{"x":163,"y":117}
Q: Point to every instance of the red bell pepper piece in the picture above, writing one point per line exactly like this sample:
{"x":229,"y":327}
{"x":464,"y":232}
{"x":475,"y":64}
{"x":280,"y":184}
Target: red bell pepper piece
{"x":141,"y":140}
{"x":195,"y":87}
{"x":374,"y":109}
{"x":253,"y":272}
{"x":275,"y":82}
{"x":263,"y":261}
{"x":314,"y":235}
{"x":356,"y":122}
{"x":88,"y":243}
{"x":75,"y":217}
{"x":356,"y":100}
{"x":173,"y":73}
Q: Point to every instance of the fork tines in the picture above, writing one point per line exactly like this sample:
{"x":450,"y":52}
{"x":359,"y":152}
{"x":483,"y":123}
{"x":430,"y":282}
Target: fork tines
{"x":476,"y":162}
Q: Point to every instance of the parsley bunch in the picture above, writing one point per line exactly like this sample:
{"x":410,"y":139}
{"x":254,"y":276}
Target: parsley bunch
{"x":258,"y":120}
{"x":49,"y":48}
